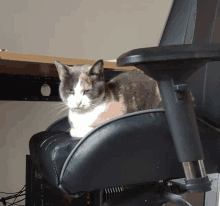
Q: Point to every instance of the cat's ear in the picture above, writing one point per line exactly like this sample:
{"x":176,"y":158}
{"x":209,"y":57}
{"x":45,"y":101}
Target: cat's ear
{"x":63,"y":70}
{"x":97,"y":68}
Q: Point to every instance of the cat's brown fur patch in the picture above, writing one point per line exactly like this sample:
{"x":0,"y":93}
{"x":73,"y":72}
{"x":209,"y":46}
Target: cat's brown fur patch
{"x":114,"y":109}
{"x":85,"y":81}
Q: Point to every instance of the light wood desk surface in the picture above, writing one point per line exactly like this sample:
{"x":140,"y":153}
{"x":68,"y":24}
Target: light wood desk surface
{"x":21,"y":63}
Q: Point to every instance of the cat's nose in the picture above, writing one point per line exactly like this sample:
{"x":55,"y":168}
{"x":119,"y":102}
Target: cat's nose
{"x":78,"y":103}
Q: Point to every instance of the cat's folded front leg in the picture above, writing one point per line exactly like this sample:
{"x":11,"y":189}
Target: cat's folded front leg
{"x":80,"y":132}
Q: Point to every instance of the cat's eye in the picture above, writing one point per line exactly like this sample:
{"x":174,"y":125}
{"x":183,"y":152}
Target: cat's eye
{"x":71,"y":91}
{"x":85,"y":92}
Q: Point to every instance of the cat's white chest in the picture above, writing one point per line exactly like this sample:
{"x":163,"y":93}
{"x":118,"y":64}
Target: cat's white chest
{"x":87,"y":119}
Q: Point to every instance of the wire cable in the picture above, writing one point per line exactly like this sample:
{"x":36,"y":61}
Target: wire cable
{"x":19,"y":194}
{"x":8,"y":193}
{"x":13,"y":204}
{"x":12,"y":196}
{"x":11,"y":193}
{"x":16,"y":202}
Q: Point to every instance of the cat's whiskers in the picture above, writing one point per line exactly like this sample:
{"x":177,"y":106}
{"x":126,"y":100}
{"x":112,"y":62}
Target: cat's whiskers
{"x":58,"y":107}
{"x":59,"y":103}
{"x":94,"y":105}
{"x":61,"y":110}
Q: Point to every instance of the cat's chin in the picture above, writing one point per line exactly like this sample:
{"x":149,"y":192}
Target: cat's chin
{"x":80,"y":109}
{"x":75,"y":109}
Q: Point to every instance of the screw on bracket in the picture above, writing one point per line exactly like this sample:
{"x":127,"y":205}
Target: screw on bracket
{"x":180,"y":88}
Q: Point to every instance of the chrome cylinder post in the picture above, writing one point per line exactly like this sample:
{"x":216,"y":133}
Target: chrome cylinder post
{"x":194,"y":169}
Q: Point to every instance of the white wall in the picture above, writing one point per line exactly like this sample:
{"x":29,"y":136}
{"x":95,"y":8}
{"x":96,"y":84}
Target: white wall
{"x":80,"y":29}
{"x":18,"y":122}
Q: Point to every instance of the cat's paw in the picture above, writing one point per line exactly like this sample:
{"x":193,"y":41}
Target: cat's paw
{"x":80,"y":132}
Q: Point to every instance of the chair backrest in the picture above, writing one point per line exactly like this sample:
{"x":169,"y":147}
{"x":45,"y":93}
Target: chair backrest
{"x":197,"y":21}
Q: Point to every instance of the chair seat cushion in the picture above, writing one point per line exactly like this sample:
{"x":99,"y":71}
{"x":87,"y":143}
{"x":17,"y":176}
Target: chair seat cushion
{"x":131,"y":149}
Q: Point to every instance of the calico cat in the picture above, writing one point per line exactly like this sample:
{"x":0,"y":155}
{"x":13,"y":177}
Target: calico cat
{"x":91,"y":101}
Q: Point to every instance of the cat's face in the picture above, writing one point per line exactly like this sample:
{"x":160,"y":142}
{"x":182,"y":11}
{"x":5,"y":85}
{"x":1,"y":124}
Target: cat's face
{"x":81,"y":87}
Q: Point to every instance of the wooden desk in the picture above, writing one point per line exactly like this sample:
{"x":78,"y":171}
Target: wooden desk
{"x":22,"y":75}
{"x":20,"y":63}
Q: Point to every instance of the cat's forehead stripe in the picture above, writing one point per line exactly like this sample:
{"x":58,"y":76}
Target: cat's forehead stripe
{"x":82,"y":75}
{"x":84,"y":81}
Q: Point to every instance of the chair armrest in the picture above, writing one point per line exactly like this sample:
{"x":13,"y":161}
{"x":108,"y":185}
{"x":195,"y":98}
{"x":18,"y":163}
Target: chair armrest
{"x":171,"y":66}
{"x":173,"y":60}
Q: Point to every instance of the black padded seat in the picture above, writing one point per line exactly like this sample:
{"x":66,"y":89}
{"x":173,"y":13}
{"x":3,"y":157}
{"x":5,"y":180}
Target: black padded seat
{"x":131,"y":149}
{"x":138,"y":148}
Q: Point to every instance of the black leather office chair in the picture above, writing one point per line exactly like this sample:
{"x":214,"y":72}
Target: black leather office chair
{"x":146,"y":151}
